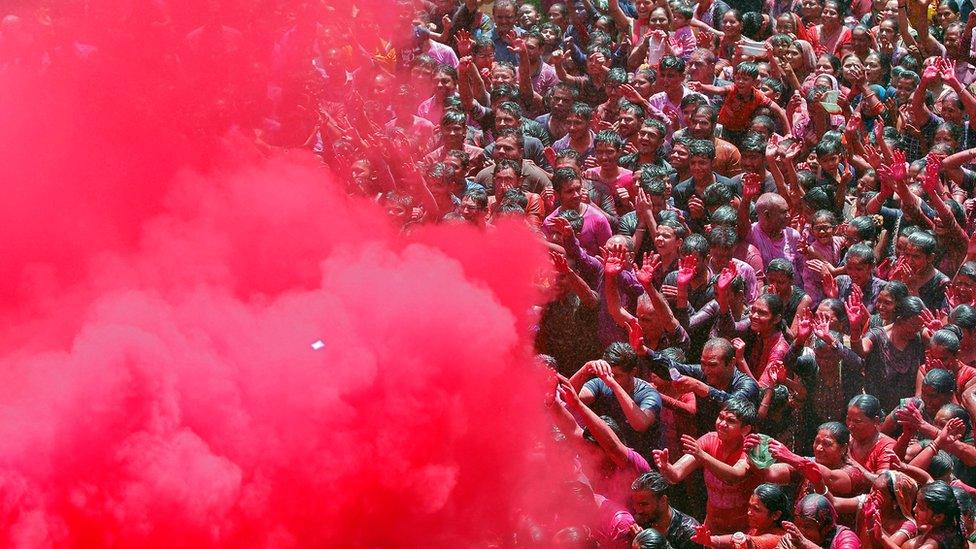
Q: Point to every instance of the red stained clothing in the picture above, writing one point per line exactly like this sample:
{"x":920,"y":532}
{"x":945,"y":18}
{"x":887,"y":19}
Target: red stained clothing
{"x":736,"y":113}
{"x":725,"y":512}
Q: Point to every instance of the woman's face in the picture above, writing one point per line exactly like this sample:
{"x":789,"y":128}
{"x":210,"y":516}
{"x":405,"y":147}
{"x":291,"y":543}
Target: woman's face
{"x":824,"y":309}
{"x":810,"y":10}
{"x":924,"y":515}
{"x":758,"y":516}
{"x":666,"y":241}
{"x":810,"y":529}
{"x":872,"y":69}
{"x":794,"y":57}
{"x":860,"y":425}
{"x":644,"y":8}
{"x":824,"y":67}
{"x":890,"y":10}
{"x":826,"y":450}
{"x":851,"y":63}
{"x":658,"y":20}
{"x":885,"y":306}
{"x":861,"y":40}
{"x":731,"y":25}
{"x":761,"y":319}
{"x":830,"y":16}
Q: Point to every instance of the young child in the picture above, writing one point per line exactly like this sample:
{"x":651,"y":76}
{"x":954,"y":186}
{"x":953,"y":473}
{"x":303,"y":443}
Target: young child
{"x":742,"y":99}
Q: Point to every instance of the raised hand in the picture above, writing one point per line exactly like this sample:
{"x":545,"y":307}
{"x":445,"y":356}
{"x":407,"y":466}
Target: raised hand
{"x":930,"y":321}
{"x":898,"y":169}
{"x":902,"y":271}
{"x":777,"y":371}
{"x":635,"y":335}
{"x":726,"y":277}
{"x":690,"y":446}
{"x":645,"y":275}
{"x":687,"y":266}
{"x":857,"y":314}
{"x":464,"y":42}
{"x":660,"y":458}
{"x":872,"y":156}
{"x":804,"y":325}
{"x":642,"y":202}
{"x":559,"y":263}
{"x":751,"y":185}
{"x":821,"y":328}
{"x":931,"y":72}
{"x":568,"y":395}
{"x":696,"y":208}
{"x":828,"y":282}
{"x":740,"y":349}
{"x":612,"y":263}
{"x":630,"y":93}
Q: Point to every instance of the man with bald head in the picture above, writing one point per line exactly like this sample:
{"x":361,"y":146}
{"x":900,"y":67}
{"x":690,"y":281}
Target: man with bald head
{"x":713,"y":381}
{"x":771,"y":233}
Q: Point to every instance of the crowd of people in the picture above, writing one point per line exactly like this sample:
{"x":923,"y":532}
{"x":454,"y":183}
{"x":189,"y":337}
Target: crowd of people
{"x":762,"y":318}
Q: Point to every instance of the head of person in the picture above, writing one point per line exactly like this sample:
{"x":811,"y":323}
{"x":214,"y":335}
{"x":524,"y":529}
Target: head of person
{"x":658,"y":20}
{"x":671,"y":73}
{"x":718,"y":362}
{"x":701,"y":159}
{"x":864,"y":416}
{"x":832,"y":14}
{"x":701,"y":123}
{"x":508,"y":145}
{"x":607,"y":146}
{"x":701,"y":66}
{"x":559,"y":15}
{"x":506,"y":175}
{"x":568,"y":186}
{"x":504,"y":14}
{"x":907,"y":316}
{"x":731,"y":23}
{"x":946,"y":14}
{"x":650,"y":136}
{"x":649,"y":498}
{"x":816,"y":518}
{"x":773,"y":213}
{"x":952,"y":40}
{"x":474,"y":206}
{"x":746,"y":77}
{"x":650,"y":539}
{"x":528,"y":16}
{"x":827,"y":64}
{"x":736,"y":420}
{"x":938,"y":388}
{"x":574,"y":537}
{"x":578,"y":120}
{"x":905,"y":85}
{"x":936,"y":507}
{"x":680,"y":155}
{"x":643,"y":81}
{"x":779,"y":277}
{"x":831,"y":443}
{"x":888,"y":297}
{"x":629,"y":118}
{"x":669,"y":238}
{"x":753,"y":150}
{"x":597,"y":60}
{"x":945,"y":345}
{"x":721,"y":244}
{"x":766,"y":314}
{"x":561,"y":99}
{"x":860,"y":263}
{"x":769,"y":506}
{"x":623,"y":362}
{"x":953,"y":411}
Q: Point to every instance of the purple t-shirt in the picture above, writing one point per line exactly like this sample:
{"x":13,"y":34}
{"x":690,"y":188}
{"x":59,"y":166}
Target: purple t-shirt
{"x":782,"y":247}
{"x":595,"y":232}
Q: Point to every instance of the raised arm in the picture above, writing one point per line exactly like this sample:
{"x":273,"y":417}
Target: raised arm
{"x":604,"y":435}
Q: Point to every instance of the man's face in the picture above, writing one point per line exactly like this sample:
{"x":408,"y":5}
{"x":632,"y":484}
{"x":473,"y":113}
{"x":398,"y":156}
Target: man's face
{"x":501,"y":75}
{"x":753,"y":162}
{"x":649,"y":139}
{"x":773,"y":220}
{"x":729,"y":427}
{"x":670,"y":79}
{"x":952,"y":40}
{"x":504,"y":17}
{"x":628,"y":123}
{"x":699,"y":70}
{"x":903,"y":90}
{"x":716,"y":369}
{"x":571,"y":195}
{"x":720,"y":256}
{"x":701,"y":167}
{"x":679,"y":156}
{"x":560,"y":102}
{"x":647,"y":507}
{"x":445,"y":85}
{"x":504,"y":120}
{"x":469,"y":210}
{"x":484,"y":58}
{"x":950,"y":109}
{"x":606,"y":155}
{"x":506,"y":148}
{"x":576,"y":125}
{"x":700,"y":126}
{"x":533,"y":47}
{"x":595,"y":63}
{"x":453,"y":134}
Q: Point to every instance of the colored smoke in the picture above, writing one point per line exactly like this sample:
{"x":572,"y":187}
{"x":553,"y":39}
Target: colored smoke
{"x":163,"y":283}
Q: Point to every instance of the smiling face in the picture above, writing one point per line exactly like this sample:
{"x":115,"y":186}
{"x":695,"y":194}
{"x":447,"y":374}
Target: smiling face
{"x":731,"y":25}
{"x":758,"y":515}
{"x":826,"y":450}
{"x":861,"y":426}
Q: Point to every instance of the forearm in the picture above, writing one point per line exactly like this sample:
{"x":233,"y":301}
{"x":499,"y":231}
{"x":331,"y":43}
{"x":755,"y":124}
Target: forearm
{"x":587,"y":296}
{"x":639,"y":419}
{"x":727,"y":473}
